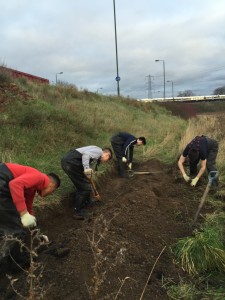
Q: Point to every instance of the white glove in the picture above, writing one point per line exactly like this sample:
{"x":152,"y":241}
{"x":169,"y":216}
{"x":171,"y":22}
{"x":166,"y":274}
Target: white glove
{"x":44,"y":238}
{"x":28,"y":220}
{"x":88,"y":172}
{"x":130,"y":166}
{"x":194,"y":181}
{"x":124,"y":159}
{"x":186,"y":178}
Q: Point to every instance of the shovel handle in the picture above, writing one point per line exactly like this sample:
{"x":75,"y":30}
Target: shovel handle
{"x":202,"y":202}
{"x":96,"y":194}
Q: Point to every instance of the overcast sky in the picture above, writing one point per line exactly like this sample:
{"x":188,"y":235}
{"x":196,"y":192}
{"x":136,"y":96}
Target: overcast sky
{"x":77,"y":37}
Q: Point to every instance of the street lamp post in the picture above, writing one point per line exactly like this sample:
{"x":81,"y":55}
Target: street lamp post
{"x":164,"y":77}
{"x":56,"y":79}
{"x":172,"y":87}
{"x":117,"y":64}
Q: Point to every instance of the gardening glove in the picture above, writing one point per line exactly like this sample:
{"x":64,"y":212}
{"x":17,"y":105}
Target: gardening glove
{"x":28,"y":220}
{"x":124,"y":159}
{"x":88,"y":173}
{"x":194,"y":181}
{"x":44,"y":238}
{"x":186,"y":178}
{"x":130,"y":166}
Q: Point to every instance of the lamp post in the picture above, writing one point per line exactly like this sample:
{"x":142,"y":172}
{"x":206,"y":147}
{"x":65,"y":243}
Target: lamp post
{"x":164,"y":77}
{"x":117,"y":65}
{"x":172,"y":87}
{"x":56,"y":79}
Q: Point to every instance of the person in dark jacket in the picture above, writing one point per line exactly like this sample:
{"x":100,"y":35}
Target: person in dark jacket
{"x":123,"y":145}
{"x":201,"y":149}
{"x":78,"y":164}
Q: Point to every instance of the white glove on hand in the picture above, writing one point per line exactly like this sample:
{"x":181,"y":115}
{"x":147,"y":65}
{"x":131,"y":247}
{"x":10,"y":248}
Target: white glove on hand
{"x":88,"y":173}
{"x":44,"y":238}
{"x":130,"y":166}
{"x":28,"y":220}
{"x":186,"y":178}
{"x":124,"y":159}
{"x":194,"y":181}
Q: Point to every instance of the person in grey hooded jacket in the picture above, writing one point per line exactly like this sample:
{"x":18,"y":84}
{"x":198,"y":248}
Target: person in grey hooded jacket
{"x":78,"y":164}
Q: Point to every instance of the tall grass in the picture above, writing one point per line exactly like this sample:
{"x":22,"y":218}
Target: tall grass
{"x":205,"y":251}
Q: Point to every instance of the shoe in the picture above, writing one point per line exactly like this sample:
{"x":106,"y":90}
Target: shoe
{"x":82,"y":214}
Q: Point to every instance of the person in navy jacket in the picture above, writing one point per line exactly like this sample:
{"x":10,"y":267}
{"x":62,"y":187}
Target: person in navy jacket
{"x":123,"y":145}
{"x":201,"y":149}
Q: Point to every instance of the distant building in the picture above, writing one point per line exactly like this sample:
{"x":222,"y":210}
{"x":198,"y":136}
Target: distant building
{"x":19,"y":74}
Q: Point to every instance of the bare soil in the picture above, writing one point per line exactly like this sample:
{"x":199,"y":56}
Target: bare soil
{"x":135,"y":220}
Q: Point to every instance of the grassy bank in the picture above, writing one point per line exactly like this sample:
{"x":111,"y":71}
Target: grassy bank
{"x":40,"y":123}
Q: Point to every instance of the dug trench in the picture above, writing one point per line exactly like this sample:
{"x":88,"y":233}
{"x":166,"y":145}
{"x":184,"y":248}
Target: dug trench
{"x":123,"y":250}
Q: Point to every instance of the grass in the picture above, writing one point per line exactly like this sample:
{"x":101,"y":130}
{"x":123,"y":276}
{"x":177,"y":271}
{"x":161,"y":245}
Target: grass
{"x":39,"y":123}
{"x":40,"y":130}
{"x":203,"y":252}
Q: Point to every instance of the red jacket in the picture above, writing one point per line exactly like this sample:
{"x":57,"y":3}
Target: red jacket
{"x":27,"y":181}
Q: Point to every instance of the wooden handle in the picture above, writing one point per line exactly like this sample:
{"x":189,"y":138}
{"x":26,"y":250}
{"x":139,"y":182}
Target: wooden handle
{"x":96,"y":194}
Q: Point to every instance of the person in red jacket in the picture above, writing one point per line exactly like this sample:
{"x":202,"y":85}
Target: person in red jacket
{"x":18,"y":186}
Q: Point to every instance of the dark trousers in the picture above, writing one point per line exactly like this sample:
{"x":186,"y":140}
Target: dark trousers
{"x":10,"y":222}
{"x":72,"y":166}
{"x":118,"y":150}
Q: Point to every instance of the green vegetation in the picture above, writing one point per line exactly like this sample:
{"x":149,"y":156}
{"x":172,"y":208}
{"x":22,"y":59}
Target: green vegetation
{"x":39,"y":123}
{"x":205,"y":251}
{"x":42,"y":122}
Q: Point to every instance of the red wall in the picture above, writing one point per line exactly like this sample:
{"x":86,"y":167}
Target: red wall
{"x":18,"y":74}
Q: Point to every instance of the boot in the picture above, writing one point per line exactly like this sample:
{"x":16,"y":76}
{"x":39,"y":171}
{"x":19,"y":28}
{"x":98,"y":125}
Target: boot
{"x":81,"y":198}
{"x":80,"y":202}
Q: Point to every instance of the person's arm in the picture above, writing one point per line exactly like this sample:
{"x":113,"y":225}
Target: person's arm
{"x":181,"y":167}
{"x":181,"y":164}
{"x":202,"y":168}
{"x":200,"y":173}
{"x":130,"y":141}
{"x":18,"y":186}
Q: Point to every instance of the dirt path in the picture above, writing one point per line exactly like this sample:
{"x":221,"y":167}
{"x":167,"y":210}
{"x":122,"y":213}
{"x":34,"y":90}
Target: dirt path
{"x":140,"y":216}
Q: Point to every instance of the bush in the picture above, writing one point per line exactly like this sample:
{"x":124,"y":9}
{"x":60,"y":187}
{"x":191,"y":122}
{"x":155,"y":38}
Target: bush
{"x":5,"y":78}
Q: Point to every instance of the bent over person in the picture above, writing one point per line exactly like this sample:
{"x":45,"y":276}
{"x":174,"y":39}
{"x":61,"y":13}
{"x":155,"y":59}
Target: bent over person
{"x":78,"y":165}
{"x":18,"y":185}
{"x":201,"y":149}
{"x":123,"y":145}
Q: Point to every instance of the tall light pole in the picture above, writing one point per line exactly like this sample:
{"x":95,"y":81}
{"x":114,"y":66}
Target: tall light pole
{"x":172,"y":86}
{"x":164,"y":77}
{"x":117,"y":65}
{"x":56,"y":79}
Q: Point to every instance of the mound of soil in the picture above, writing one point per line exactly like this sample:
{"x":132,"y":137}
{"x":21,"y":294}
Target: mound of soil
{"x":115,"y":254}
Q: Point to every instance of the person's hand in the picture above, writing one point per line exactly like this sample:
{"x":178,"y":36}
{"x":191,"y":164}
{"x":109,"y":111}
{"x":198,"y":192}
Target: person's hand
{"x":44,"y":238}
{"x":28,"y":220}
{"x":124,"y":159}
{"x":194,"y":181}
{"x":88,"y":173}
{"x":130,"y":166}
{"x":186,"y":178}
